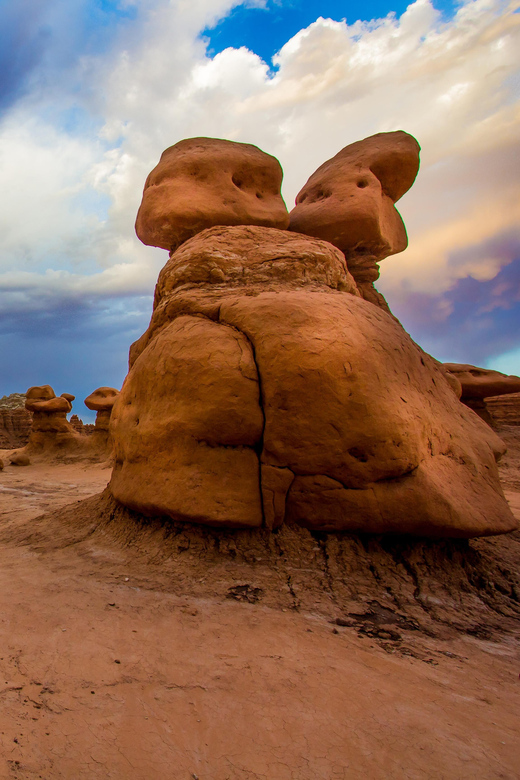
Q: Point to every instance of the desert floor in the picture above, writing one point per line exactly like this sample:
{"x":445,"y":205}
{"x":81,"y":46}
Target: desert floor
{"x":111,"y":667}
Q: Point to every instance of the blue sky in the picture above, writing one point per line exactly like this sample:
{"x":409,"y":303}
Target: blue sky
{"x":266,"y":28}
{"x":92,"y":91}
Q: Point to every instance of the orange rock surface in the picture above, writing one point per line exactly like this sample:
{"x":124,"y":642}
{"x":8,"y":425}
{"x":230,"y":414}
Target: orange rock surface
{"x":101,"y":401}
{"x":479,"y":383}
{"x":50,"y":428}
{"x":201,"y":182}
{"x":349,"y":201}
{"x":266,"y":389}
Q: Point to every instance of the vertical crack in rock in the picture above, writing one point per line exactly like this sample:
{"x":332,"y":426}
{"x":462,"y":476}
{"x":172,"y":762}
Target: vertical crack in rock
{"x":260,"y":444}
{"x":274,"y":481}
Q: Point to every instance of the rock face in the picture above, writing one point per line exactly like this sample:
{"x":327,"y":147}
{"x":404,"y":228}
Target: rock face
{"x":76,"y":423}
{"x":505,"y":409}
{"x":101,"y":401}
{"x":15,"y":421}
{"x":20,"y":459}
{"x":349,"y":201}
{"x":481,"y":383}
{"x":266,"y":389}
{"x":50,"y":428}
{"x":201,"y":182}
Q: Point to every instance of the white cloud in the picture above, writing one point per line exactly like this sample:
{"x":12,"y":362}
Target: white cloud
{"x":449,"y":84}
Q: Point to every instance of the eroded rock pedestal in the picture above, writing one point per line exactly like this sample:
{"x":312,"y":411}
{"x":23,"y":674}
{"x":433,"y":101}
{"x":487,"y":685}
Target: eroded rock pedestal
{"x":266,"y":389}
{"x":50,"y":429}
{"x":349,"y":201}
{"x":101,"y":401}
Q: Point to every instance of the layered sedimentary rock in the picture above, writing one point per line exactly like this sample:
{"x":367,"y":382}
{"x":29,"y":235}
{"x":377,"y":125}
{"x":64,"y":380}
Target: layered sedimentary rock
{"x":101,"y":401}
{"x":504,"y":409}
{"x":266,"y":389}
{"x":50,"y":428}
{"x":350,"y":199}
{"x":478,"y":384}
{"x":201,"y":182}
{"x":76,"y":423}
{"x":15,"y":421}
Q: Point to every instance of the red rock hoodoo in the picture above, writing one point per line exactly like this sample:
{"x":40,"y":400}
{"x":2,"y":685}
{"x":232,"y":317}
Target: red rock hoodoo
{"x":349,"y":201}
{"x":266,"y":389}
{"x":50,"y":428}
{"x":101,"y":401}
{"x":201,"y":182}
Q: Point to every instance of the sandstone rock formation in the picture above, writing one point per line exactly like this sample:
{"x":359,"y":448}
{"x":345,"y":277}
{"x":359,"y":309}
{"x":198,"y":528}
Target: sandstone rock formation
{"x":504,"y":409}
{"x":50,"y":428}
{"x":15,"y":421}
{"x":349,"y":201}
{"x":201,"y":182}
{"x":101,"y":401}
{"x":77,"y":424}
{"x":481,"y":383}
{"x":266,"y":389}
{"x":20,"y":459}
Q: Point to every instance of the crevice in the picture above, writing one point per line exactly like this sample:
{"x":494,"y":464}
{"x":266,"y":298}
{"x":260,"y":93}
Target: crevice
{"x":296,"y":601}
{"x":321,"y":537}
{"x":259,"y":445}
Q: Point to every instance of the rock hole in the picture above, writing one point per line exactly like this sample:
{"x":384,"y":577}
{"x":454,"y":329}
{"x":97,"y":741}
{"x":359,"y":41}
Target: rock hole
{"x":362,"y":183}
{"x":236,"y":181}
{"x":358,"y":454}
{"x":321,"y":195}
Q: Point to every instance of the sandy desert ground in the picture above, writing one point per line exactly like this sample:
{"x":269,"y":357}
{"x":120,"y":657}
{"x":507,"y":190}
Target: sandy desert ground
{"x":138,"y":651}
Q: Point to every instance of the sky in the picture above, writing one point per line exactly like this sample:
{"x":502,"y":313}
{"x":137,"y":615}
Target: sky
{"x":92,"y":91}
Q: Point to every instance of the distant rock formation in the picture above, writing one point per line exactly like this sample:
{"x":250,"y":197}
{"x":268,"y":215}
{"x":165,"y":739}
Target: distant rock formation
{"x":201,"y":182}
{"x":504,"y":409}
{"x":266,"y":389}
{"x":15,"y":421}
{"x":13,"y":401}
{"x":349,"y":201}
{"x":77,"y":424}
{"x":101,"y":401}
{"x":479,"y":384}
{"x":50,"y":429}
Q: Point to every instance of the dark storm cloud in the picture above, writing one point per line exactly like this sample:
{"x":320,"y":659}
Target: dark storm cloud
{"x":23,"y":38}
{"x":472,"y":322}
{"x":42,"y":40}
{"x":74,"y":345}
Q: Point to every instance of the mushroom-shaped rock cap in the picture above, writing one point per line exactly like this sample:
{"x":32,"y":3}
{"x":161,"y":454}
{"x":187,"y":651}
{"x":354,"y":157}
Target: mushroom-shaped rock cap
{"x":43,"y":399}
{"x":102,"y":399}
{"x":202,"y":182}
{"x":479,"y":383}
{"x":349,"y":200}
{"x":40,"y":393}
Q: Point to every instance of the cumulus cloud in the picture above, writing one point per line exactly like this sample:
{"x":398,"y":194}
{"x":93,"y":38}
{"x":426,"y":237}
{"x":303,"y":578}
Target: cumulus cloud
{"x":451,"y":84}
{"x":76,"y":150}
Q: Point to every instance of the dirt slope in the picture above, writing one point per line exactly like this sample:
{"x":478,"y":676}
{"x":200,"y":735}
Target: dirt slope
{"x":136,"y":650}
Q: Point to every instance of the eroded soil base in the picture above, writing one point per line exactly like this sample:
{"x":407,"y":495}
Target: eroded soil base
{"x":135,"y":649}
